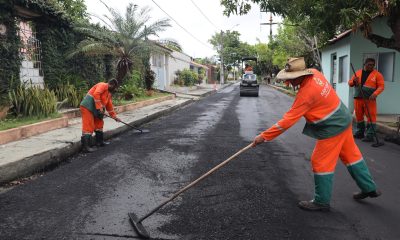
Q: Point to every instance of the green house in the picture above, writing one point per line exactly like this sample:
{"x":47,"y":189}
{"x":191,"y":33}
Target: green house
{"x":352,"y":47}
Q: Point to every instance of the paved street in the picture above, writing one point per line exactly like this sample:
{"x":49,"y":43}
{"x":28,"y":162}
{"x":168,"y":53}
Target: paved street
{"x":253,"y":197}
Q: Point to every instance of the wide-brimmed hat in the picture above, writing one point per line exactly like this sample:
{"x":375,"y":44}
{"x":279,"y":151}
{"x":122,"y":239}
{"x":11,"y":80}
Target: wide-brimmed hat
{"x":294,"y":68}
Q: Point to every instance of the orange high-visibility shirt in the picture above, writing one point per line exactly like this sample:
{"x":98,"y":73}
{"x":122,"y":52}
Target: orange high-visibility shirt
{"x":99,"y":97}
{"x":318,"y":103}
{"x":375,"y":84}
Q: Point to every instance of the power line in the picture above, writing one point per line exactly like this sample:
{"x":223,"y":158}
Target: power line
{"x":204,"y":15}
{"x":181,"y":26}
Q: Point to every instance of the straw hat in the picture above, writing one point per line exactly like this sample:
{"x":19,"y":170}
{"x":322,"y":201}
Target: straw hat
{"x":294,"y":68}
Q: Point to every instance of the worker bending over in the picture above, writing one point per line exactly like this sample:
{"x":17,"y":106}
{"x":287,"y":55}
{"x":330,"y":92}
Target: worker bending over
{"x":93,"y":106}
{"x":329,"y":121}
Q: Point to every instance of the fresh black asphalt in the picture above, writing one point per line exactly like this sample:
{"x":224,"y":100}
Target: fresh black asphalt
{"x":253,"y":197}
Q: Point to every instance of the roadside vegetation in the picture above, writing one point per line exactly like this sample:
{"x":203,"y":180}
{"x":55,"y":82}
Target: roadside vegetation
{"x":77,"y":55}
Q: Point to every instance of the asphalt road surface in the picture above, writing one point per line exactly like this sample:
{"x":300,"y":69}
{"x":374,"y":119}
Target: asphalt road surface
{"x":253,"y":197}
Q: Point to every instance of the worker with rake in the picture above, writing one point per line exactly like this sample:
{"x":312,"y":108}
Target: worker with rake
{"x":329,"y":121}
{"x":93,"y":106}
{"x":372,"y":84}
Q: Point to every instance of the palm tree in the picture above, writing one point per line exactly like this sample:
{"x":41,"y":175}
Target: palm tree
{"x":125,"y":37}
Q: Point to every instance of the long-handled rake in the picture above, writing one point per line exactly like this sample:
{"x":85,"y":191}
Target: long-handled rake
{"x":129,"y":125}
{"x":377,"y":143}
{"x":137,"y":222}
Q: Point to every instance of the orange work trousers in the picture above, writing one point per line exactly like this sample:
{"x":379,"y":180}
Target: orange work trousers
{"x":89,"y":122}
{"x":327,"y":151}
{"x":361,"y":111}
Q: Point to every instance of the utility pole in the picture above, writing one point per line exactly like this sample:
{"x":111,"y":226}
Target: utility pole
{"x":221,"y":71}
{"x":270,"y":26}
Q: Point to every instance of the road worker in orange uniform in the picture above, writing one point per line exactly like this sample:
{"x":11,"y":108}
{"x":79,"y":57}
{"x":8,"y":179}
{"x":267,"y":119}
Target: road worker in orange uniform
{"x":248,"y":68}
{"x":329,"y":121}
{"x":92,"y":107}
{"x":372,"y":84}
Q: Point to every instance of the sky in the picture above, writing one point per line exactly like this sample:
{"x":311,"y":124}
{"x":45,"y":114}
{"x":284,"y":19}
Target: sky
{"x":200,"y":27}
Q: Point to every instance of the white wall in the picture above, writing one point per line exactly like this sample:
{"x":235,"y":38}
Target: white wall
{"x":388,"y":101}
{"x":159,"y":65}
{"x":340,"y":48}
{"x":177,"y":61}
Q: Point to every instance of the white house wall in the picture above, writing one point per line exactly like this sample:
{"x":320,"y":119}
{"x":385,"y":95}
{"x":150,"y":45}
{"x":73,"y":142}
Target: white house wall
{"x":159,"y":65}
{"x":177,"y":61}
{"x":355,"y":45}
{"x":388,"y":101}
{"x":341,"y":49}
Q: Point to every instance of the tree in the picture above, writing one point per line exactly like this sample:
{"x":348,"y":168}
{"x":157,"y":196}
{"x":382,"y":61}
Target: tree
{"x":125,"y":37}
{"x":231,"y":45}
{"x":206,"y":61}
{"x":292,"y":41}
{"x":75,"y":9}
{"x":328,"y":18}
{"x":172,"y":44}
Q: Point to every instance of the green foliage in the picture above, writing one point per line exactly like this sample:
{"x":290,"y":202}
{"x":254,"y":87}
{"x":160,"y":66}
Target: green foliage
{"x":14,"y":122}
{"x":325,"y":19}
{"x":205,"y":61}
{"x":75,"y":9}
{"x":71,"y":95}
{"x":172,"y":44}
{"x":32,"y":101}
{"x":130,"y":91}
{"x":149,"y":78}
{"x":133,"y":88}
{"x":201,"y":76}
{"x":292,"y":41}
{"x":186,"y":77}
{"x":124,"y":38}
{"x":9,"y":51}
{"x":265,"y":59}
{"x":56,"y":42}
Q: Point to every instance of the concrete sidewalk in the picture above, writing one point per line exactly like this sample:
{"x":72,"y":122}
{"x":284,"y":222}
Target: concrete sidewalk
{"x":27,"y":156}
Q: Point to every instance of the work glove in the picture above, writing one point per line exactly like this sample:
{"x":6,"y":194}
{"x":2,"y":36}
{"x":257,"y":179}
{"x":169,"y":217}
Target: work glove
{"x":99,"y":114}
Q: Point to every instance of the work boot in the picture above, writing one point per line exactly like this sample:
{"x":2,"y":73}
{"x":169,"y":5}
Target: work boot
{"x":100,"y":139}
{"x":86,"y":143}
{"x":361,"y":195}
{"x":313,"y":206}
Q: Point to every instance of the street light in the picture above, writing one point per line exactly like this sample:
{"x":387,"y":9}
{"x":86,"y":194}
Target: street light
{"x":222,"y":57}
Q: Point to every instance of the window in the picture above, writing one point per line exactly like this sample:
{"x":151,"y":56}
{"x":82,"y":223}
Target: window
{"x":157,"y":60}
{"x":384,"y":63}
{"x":343,"y":68}
{"x":249,"y":77}
{"x":333,"y":67}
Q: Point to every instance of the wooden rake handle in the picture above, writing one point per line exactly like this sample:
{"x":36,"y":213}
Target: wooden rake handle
{"x":195,"y":182}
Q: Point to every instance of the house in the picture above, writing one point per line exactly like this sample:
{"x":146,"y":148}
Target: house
{"x":159,"y":64}
{"x":197,"y":67}
{"x":350,"y":47}
{"x":167,"y":62}
{"x":212,"y":74}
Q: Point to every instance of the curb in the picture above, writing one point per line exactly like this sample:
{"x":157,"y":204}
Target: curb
{"x":22,"y":132}
{"x":15,"y":134}
{"x":40,"y":162}
{"x":287,"y":92}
